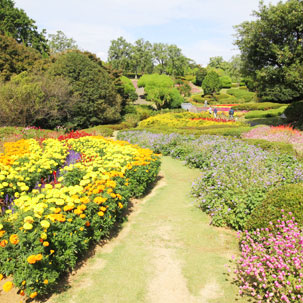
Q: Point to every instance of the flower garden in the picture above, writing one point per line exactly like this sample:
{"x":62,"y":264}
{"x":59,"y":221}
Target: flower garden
{"x":242,"y":186}
{"x":60,"y":196}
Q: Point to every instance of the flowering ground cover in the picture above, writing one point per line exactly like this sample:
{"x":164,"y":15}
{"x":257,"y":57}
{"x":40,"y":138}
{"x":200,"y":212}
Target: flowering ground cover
{"x":187,"y":120}
{"x":282,"y":133}
{"x":60,"y":197}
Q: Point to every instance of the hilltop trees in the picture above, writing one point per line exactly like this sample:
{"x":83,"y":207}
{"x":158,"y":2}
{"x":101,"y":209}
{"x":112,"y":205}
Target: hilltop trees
{"x":15,"y":23}
{"x":59,"y":42}
{"x":272,"y":50}
{"x":143,"y":57}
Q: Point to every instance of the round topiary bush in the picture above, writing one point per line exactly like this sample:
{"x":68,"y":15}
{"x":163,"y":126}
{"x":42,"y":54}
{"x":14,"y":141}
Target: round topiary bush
{"x":294,"y":113}
{"x":287,"y":197}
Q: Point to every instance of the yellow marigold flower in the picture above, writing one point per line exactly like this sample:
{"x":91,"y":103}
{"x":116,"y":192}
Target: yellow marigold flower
{"x":1,"y":277}
{"x":102,"y":208}
{"x":45,"y":224}
{"x":33,"y":295}
{"x":82,"y":216}
{"x":51,"y":251}
{"x":45,"y":243}
{"x":113,"y":195}
{"x":82,"y":207}
{"x":23,"y":282}
{"x":81,"y":228}
{"x":68,"y":207}
{"x":120,"y":205}
{"x":57,"y":210}
{"x":45,"y":281}
{"x":1,"y":226}
{"x":8,"y":286}
{"x":28,"y":219}
{"x":78,"y":211}
{"x":70,"y":220}
{"x":43,"y":236}
{"x":14,"y":239}
{"x":101,"y":213}
{"x":28,"y":226}
{"x":31,"y":259}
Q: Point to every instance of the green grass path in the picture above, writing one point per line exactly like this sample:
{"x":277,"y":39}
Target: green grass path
{"x":167,"y":252}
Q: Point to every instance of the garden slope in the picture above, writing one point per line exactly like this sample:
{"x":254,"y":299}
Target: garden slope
{"x":167,"y":252}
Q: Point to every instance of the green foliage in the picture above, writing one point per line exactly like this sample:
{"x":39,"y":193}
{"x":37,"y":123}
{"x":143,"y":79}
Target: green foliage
{"x":242,"y":95}
{"x":200,"y":75}
{"x":36,"y":99}
{"x":59,"y":42}
{"x":294,"y":113}
{"x":155,"y":80}
{"x":198,"y":98}
{"x":15,"y":23}
{"x":211,"y":83}
{"x":258,"y":106}
{"x":265,"y":113}
{"x":129,"y":88}
{"x":271,"y":51}
{"x":225,"y":82}
{"x":91,"y":83}
{"x":287,"y":197}
{"x":15,"y":58}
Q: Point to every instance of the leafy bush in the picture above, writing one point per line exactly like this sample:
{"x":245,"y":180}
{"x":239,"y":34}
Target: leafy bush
{"x":211,"y":83}
{"x":129,"y":88}
{"x":242,"y":95}
{"x":265,"y":113}
{"x":287,"y":197}
{"x":155,"y":81}
{"x":225,"y":82}
{"x":200,"y":75}
{"x":258,"y":106}
{"x":92,"y":84}
{"x":198,"y":98}
{"x":36,"y":99}
{"x":294,"y":113}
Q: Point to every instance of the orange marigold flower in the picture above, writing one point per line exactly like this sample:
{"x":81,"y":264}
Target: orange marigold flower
{"x":87,"y":224}
{"x":120,"y":205}
{"x":3,"y":243}
{"x":2,"y":232}
{"x":39,"y":257}
{"x":68,"y":207}
{"x":45,"y":281}
{"x":14,"y":239}
{"x":33,"y":295}
{"x":82,"y":207}
{"x":45,"y":243}
{"x":22,"y":293}
{"x":8,"y":286}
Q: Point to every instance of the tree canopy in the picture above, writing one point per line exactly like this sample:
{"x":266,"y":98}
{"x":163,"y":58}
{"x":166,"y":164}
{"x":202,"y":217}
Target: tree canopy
{"x":15,"y":23}
{"x":59,"y":42}
{"x":272,"y":50}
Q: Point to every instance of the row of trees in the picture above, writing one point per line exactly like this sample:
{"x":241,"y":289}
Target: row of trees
{"x":143,"y":57}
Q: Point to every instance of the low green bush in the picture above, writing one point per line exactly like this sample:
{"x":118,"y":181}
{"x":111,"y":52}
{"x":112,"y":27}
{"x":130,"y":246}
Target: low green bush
{"x":258,"y":106}
{"x":287,"y":197}
{"x":265,"y":113}
{"x":225,"y":82}
{"x":235,"y":85}
{"x":242,"y":95}
{"x":129,"y":88}
{"x":198,"y":98}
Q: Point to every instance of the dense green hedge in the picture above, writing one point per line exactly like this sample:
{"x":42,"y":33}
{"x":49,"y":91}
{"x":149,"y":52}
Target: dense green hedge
{"x":287,"y":197}
{"x":242,"y":95}
{"x":294,"y":114}
{"x":265,"y":113}
{"x":258,"y":106}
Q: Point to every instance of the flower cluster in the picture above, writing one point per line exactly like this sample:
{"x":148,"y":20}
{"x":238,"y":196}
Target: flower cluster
{"x":270,"y":268}
{"x":52,"y":223}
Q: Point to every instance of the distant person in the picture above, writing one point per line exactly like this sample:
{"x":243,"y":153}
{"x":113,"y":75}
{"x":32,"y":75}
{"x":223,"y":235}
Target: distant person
{"x":210,"y":110}
{"x":231,"y":113}
{"x":205,"y":103}
{"x":215,"y":112}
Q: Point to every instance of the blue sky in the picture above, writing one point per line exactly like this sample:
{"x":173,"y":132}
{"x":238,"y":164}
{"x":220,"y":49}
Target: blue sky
{"x":201,"y":28}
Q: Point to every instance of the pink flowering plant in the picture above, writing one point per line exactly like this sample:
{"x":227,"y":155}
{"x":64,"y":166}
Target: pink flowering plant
{"x":270,"y":266}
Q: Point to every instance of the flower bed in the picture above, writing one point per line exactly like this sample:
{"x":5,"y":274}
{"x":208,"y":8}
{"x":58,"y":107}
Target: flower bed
{"x":50,"y":224}
{"x":186,"y":120}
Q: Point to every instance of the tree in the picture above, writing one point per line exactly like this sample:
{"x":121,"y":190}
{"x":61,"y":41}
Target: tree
{"x":15,"y":23}
{"x":272,"y":51}
{"x":15,"y":58}
{"x":59,"y":42}
{"x":218,"y":62}
{"x":211,"y":83}
{"x":160,"y":55}
{"x":120,"y":54}
{"x":200,"y":75}
{"x":91,"y":83}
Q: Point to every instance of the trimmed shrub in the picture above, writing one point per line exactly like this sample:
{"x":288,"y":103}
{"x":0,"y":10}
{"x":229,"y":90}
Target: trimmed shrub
{"x":294,"y":113}
{"x":129,"y":88}
{"x":265,"y":113}
{"x":198,"y":98}
{"x":258,"y":106}
{"x":287,"y":197}
{"x":225,"y":82}
{"x":242,"y":95}
{"x":211,"y":83}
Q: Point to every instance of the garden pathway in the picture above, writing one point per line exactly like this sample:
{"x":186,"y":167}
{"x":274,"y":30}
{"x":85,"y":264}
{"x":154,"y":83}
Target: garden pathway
{"x":166,"y":252}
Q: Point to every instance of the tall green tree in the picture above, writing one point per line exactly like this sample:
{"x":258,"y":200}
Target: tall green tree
{"x":59,"y":42}
{"x":272,"y":50}
{"x":211,"y":83}
{"x":160,"y":55}
{"x":120,"y":54}
{"x":176,"y":62}
{"x":141,"y":57}
{"x":15,"y":23}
